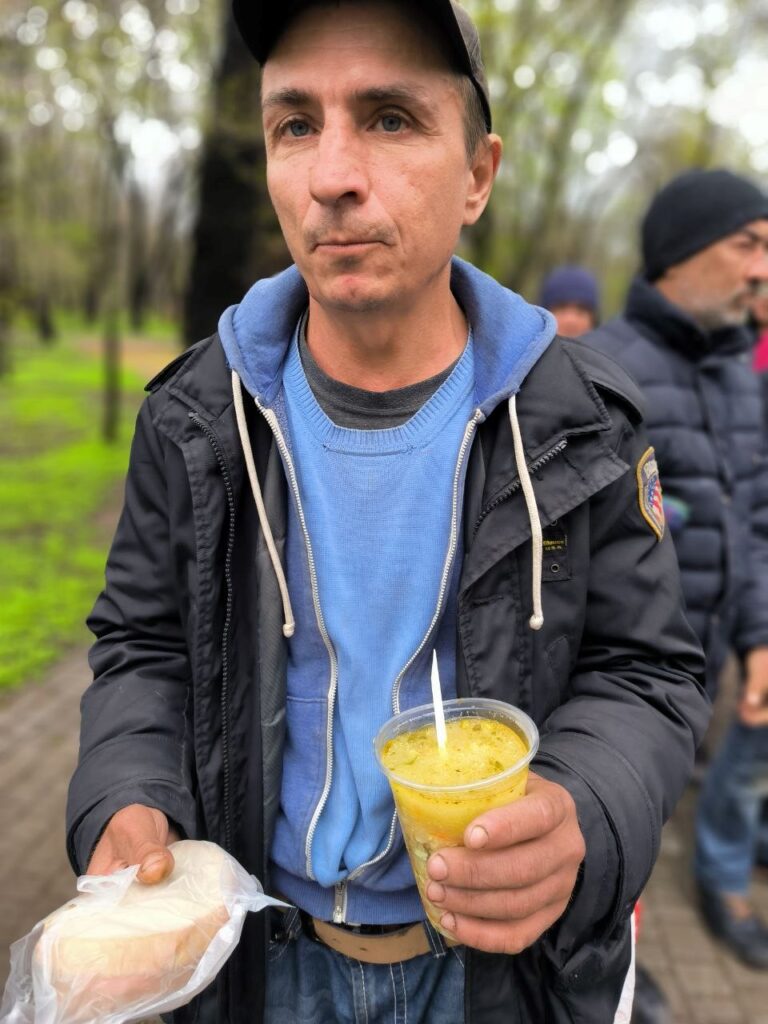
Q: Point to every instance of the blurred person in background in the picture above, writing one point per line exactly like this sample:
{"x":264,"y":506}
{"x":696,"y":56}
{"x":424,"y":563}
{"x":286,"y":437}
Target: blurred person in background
{"x":683,"y":336}
{"x":572,"y":295}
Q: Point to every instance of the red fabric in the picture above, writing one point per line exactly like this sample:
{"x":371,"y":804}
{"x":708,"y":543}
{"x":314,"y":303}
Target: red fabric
{"x":760,"y":361}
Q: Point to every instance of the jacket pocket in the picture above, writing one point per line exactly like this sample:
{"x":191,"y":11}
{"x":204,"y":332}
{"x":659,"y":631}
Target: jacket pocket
{"x":304,"y":770}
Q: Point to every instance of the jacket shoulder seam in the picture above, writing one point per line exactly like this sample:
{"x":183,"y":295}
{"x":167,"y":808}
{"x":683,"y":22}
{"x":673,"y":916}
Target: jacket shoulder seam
{"x":609,"y":376}
{"x":170,"y":371}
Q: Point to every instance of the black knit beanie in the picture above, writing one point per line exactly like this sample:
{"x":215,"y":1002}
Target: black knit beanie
{"x":693,"y":211}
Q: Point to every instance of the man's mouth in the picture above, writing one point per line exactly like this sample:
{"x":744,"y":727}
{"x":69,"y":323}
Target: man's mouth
{"x":344,"y":243}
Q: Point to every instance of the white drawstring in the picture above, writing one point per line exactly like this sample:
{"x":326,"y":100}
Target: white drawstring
{"x":536,"y":621}
{"x":289,"y":625}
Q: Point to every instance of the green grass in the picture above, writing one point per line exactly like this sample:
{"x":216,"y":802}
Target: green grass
{"x":56,"y":474}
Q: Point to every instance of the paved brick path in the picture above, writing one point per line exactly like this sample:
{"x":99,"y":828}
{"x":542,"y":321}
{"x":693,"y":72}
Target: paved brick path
{"x":38,"y":742}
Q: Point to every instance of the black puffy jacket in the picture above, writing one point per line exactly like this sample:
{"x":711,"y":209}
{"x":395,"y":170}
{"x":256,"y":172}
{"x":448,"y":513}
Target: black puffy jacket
{"x":704,"y":415}
{"x":186,"y":710}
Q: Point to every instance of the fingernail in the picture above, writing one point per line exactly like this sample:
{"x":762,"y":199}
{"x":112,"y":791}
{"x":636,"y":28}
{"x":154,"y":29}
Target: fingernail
{"x":437,"y":868}
{"x":153,"y":863}
{"x":478,"y":837}
{"x":448,"y":921}
{"x":436,"y":892}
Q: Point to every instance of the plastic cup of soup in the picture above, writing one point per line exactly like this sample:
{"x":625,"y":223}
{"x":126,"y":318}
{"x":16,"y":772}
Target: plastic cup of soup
{"x":438,"y":792}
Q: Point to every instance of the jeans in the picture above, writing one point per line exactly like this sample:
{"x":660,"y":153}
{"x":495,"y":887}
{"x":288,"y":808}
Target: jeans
{"x":728,"y":815}
{"x":308,"y":983}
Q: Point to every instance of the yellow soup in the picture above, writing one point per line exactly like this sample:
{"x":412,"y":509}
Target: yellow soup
{"x":477,"y":751}
{"x":476,"y":748}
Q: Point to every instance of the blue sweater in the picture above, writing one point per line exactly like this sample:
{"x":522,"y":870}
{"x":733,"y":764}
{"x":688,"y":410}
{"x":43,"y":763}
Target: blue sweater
{"x":377,"y":506}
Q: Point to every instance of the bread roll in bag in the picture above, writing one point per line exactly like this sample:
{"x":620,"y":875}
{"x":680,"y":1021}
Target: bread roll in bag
{"x":122,"y":950}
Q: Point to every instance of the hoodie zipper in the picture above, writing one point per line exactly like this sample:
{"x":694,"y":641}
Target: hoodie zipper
{"x":340,"y":901}
{"x":534,"y":467}
{"x":274,"y":425}
{"x":224,"y":697}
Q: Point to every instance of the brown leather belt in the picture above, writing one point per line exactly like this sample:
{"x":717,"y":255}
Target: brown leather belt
{"x":386,"y":948}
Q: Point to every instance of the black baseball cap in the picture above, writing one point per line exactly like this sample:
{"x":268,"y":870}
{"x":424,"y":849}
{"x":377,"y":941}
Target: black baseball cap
{"x":262,"y":22}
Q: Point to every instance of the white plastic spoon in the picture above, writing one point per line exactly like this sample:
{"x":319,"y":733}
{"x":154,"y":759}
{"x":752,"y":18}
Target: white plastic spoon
{"x":437,"y":702}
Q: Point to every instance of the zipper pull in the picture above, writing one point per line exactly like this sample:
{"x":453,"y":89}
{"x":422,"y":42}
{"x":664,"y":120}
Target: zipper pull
{"x":338,"y":903}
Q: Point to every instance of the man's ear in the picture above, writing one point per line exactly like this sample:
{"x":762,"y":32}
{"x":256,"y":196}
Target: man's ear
{"x":482,"y":172}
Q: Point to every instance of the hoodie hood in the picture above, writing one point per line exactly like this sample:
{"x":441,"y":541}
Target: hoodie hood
{"x":509,"y":333}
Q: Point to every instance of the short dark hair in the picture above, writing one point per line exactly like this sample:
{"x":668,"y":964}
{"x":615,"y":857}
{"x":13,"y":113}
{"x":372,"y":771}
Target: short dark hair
{"x":475,"y":124}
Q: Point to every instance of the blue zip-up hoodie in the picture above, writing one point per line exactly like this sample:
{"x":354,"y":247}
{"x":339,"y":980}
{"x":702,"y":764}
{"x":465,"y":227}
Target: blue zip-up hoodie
{"x":509,"y":337}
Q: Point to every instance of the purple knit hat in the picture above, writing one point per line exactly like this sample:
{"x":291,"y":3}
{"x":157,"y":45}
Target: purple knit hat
{"x":570,"y":284}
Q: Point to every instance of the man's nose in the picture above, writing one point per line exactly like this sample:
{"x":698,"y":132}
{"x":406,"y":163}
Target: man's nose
{"x":339,"y":170}
{"x":758,"y":270}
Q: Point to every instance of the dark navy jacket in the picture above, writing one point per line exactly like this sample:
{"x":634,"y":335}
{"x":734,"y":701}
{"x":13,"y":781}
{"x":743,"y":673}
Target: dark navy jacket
{"x":704,"y":417}
{"x":186,"y":712}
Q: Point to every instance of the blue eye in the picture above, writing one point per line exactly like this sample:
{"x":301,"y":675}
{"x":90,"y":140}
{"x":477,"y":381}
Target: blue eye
{"x":391,"y":122}
{"x":298,"y":129}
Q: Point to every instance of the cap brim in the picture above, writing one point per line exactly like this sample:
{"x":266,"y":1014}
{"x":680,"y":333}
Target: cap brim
{"x":261,"y":23}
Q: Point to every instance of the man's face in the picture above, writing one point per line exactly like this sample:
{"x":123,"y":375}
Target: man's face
{"x":573,"y":319}
{"x":366,"y":161}
{"x":716,"y":286}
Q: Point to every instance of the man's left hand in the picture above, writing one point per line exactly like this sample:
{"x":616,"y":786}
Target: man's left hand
{"x":753,"y":708}
{"x":515,"y":874}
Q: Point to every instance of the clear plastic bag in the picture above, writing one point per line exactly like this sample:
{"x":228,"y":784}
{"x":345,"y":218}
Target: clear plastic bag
{"x":121,"y":951}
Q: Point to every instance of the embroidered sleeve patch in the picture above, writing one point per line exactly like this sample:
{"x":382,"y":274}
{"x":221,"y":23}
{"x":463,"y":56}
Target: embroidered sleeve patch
{"x":649,"y":492}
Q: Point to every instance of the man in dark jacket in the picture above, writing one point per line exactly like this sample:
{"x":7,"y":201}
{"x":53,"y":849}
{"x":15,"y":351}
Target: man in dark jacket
{"x":682,"y":336}
{"x":282,"y":573}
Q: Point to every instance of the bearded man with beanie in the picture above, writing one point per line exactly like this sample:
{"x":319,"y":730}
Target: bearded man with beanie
{"x":683,"y":338}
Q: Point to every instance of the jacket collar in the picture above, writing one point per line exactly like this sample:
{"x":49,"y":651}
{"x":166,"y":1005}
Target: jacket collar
{"x":557,"y":398}
{"x":661,"y":320}
{"x":557,"y":403}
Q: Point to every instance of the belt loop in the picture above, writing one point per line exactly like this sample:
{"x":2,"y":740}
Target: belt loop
{"x":288,"y":925}
{"x":435,"y":939}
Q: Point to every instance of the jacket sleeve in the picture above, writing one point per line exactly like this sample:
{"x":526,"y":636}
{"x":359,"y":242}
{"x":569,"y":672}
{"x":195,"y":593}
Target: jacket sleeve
{"x":623,"y":742}
{"x":132,"y":740}
{"x":752,"y":620}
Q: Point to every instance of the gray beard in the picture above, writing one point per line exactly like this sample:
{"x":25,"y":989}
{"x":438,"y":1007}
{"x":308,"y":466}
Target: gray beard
{"x":716,"y":319}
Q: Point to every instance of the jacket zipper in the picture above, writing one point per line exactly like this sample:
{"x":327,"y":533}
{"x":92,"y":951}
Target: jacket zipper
{"x":515,"y":485}
{"x":274,"y":425}
{"x":447,"y":566}
{"x":224,"y":698}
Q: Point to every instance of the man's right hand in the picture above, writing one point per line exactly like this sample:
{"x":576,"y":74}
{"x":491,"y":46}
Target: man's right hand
{"x":135,"y":835}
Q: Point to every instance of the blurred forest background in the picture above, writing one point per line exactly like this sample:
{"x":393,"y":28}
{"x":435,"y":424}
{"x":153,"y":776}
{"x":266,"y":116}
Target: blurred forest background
{"x":133,"y":210}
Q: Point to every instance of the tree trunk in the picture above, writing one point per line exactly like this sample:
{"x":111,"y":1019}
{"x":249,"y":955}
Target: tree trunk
{"x":113,"y":288}
{"x":236,"y":238}
{"x":110,"y":346}
{"x":138,"y":277}
{"x":111,"y":354}
{"x":7,"y":274}
{"x":43,"y":318}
